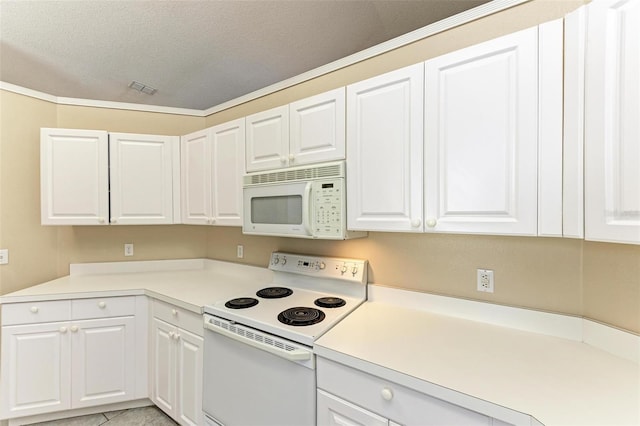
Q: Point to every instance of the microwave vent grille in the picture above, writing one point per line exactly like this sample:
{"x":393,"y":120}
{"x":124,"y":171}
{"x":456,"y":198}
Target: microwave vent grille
{"x":287,"y":175}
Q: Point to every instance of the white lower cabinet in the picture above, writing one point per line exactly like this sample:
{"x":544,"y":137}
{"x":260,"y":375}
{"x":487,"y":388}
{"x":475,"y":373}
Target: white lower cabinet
{"x":177,"y":363}
{"x":54,"y":360}
{"x":351,"y":397}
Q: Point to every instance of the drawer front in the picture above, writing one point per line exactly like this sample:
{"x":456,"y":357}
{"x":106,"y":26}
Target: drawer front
{"x":36,"y":312}
{"x":395,"y":402}
{"x":179,"y":317}
{"x":103,"y":307}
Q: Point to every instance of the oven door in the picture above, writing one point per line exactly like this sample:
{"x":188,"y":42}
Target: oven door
{"x":279,"y":209}
{"x":253,"y":378}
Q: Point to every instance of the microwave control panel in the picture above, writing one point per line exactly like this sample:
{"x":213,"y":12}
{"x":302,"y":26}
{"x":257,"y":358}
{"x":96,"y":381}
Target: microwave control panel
{"x":328,"y":207}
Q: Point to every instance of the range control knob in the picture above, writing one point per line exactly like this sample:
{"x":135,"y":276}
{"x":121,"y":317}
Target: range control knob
{"x":344,"y":268}
{"x":354,"y":270}
{"x":284,"y":261}
{"x":276,"y":260}
{"x":321,"y":265}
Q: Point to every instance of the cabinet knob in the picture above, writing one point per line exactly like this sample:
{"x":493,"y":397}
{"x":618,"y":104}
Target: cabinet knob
{"x":174,"y":312}
{"x":176,"y":336}
{"x":113,"y":220}
{"x":101,"y":220}
{"x":34,"y":309}
{"x":63,"y":330}
{"x":416,"y":223}
{"x":292,"y":158}
{"x":102,"y":305}
{"x":74,"y":328}
{"x":387,"y":394}
{"x":283,"y":159}
{"x":171,"y":333}
{"x":431,"y":223}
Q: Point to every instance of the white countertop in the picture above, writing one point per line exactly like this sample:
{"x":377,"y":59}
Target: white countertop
{"x":503,"y":372}
{"x":190,"y":284}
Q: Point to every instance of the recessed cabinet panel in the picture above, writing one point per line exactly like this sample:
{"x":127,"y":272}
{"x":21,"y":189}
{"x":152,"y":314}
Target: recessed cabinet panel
{"x":481,"y":137}
{"x":74,"y":177}
{"x":196,"y":178}
{"x":267,"y":139}
{"x":189,"y":370}
{"x":228,"y":142}
{"x":104,"y":361}
{"x":612,"y":127}
{"x":318,"y":128}
{"x":35,"y":368}
{"x":163,"y":392}
{"x":141,"y":178}
{"x":384,"y":167}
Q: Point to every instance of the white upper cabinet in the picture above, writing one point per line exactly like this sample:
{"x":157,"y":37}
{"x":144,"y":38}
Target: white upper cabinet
{"x":307,"y":131}
{"x":74,"y":177}
{"x":384,"y":152}
{"x":142,"y":178}
{"x":317,"y":128}
{"x":227,"y":149}
{"x":79,"y":166}
{"x":268,"y":139}
{"x":212,"y":170}
{"x":612,"y":122}
{"x":482,"y":131}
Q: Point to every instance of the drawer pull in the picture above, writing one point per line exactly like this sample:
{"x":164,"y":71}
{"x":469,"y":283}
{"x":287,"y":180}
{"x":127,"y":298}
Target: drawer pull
{"x":102,"y":305}
{"x":34,"y":309}
{"x":387,"y":394}
{"x":63,"y":330}
{"x":74,"y":328}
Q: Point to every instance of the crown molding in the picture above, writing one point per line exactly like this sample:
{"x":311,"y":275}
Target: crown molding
{"x":421,"y":33}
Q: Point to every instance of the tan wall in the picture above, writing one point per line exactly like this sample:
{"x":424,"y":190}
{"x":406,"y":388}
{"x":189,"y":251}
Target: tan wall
{"x":600,"y":281}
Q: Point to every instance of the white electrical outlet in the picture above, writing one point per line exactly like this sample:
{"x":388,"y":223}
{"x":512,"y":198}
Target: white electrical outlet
{"x":485,"y":280}
{"x":4,"y":256}
{"x":128,"y":249}
{"x":240,"y":252}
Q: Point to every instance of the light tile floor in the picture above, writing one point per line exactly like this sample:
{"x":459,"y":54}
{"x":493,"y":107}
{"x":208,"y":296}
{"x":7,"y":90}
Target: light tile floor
{"x":143,"y":416}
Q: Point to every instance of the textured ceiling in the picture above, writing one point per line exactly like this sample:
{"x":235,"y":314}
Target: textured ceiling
{"x":198,"y":54}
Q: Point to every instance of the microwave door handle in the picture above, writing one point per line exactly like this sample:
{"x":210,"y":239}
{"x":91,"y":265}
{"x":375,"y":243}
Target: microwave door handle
{"x":306,"y":208}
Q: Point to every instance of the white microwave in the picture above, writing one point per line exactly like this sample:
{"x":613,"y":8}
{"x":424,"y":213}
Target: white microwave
{"x":303,"y":202}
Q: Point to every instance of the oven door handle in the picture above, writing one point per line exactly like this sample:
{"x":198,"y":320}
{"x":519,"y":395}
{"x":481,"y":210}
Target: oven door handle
{"x":291,"y":355}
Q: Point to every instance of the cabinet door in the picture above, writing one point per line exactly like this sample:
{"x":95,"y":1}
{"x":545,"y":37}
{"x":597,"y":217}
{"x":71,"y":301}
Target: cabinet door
{"x":268,"y":139}
{"x":317,"y":128}
{"x":384,"y":151}
{"x":196,"y":177}
{"x":74,"y":177}
{"x":163,"y":366}
{"x":333,"y":411}
{"x":36,"y":369}
{"x":481,"y":137}
{"x":227,"y":148}
{"x":612,"y":127}
{"x":103,"y":361}
{"x":141,"y":177}
{"x":189,"y":376}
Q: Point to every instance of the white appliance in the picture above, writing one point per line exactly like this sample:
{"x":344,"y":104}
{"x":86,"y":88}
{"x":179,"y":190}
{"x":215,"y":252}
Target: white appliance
{"x":303,"y":202}
{"x":259,"y":366}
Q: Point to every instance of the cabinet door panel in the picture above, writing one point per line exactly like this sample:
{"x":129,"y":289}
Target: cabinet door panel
{"x":141,"y":175}
{"x":318,"y":128}
{"x":384,"y":151}
{"x":189,"y":370}
{"x":333,"y":411}
{"x":228,"y":142}
{"x":163,"y":366}
{"x":36,"y":369}
{"x":74,"y":177}
{"x":196,"y":178}
{"x":612,"y":127}
{"x":268,"y":139}
{"x":103,"y":361}
{"x":481,"y":137}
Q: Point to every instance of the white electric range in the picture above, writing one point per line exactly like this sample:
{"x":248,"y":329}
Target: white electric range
{"x":259,"y":344}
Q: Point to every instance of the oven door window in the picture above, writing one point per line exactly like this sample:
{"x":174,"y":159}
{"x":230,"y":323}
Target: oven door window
{"x":277,"y":210}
